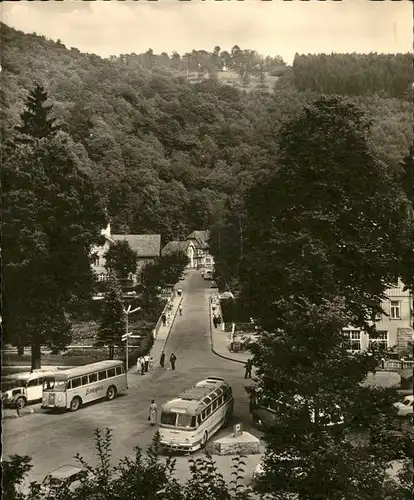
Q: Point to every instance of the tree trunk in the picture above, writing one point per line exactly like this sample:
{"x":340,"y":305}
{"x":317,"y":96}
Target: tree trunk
{"x":111,"y":352}
{"x":20,"y":348}
{"x":36,"y":356}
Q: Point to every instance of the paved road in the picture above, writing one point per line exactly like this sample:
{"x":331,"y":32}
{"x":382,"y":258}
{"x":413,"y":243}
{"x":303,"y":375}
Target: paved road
{"x":53,"y":439}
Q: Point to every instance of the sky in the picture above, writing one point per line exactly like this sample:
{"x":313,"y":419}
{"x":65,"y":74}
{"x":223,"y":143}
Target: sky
{"x":270,"y":27}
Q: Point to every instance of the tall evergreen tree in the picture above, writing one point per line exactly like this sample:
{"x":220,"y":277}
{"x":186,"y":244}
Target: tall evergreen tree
{"x":51,"y":218}
{"x":111,"y":322}
{"x":36,"y":120}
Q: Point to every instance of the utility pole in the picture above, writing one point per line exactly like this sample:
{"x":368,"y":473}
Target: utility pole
{"x":128,"y":335}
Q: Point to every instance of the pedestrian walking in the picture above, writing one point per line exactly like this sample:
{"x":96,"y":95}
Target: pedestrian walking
{"x":163,"y":319}
{"x":218,"y":319}
{"x":153,"y":412}
{"x":180,"y":309}
{"x":142,"y":365}
{"x":146,"y":362}
{"x":151,"y":364}
{"x":248,"y":369}
{"x":139,"y":365}
{"x":215,"y":321}
{"x":162,"y":359}
{"x":173,"y":359}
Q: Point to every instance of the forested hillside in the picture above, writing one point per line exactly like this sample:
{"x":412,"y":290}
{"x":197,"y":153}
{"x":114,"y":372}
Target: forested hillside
{"x":388,"y":75}
{"x":171,"y":155}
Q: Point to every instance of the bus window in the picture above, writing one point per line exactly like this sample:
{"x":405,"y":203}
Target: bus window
{"x":208,"y":411}
{"x":220,"y":400}
{"x":119,"y":370}
{"x":76,"y":382}
{"x":214,"y":405}
{"x":93,"y":377}
{"x":199,"y":419}
{"x":85,"y":380}
{"x":203,"y":415}
{"x":185,"y":421}
{"x":102,"y":375}
{"x":69,"y":384}
{"x":111,"y":372}
{"x":168,"y":418}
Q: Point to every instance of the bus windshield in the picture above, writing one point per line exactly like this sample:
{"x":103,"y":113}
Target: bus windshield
{"x":178,"y":420}
{"x":51,"y":384}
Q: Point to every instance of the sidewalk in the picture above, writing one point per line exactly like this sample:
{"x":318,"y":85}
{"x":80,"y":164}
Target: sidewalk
{"x":159,"y":342}
{"x":220,"y":342}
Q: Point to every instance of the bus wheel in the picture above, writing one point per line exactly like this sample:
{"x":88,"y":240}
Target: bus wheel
{"x":111,"y":393}
{"x":75,"y":404}
{"x":204,"y":440}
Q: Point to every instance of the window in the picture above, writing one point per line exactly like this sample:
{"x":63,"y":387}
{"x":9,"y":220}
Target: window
{"x":354,"y":337}
{"x":168,"y":418}
{"x":111,"y":373}
{"x":33,"y":383}
{"x":220,"y":400}
{"x":119,"y":370}
{"x":199,"y":419}
{"x":203,"y":415}
{"x":185,"y":421}
{"x":102,"y":375}
{"x":379,"y":337}
{"x":208,"y":411}
{"x":214,"y":404}
{"x":76,"y":382}
{"x":395,"y":309}
{"x":93,"y":377}
{"x":84,"y":380}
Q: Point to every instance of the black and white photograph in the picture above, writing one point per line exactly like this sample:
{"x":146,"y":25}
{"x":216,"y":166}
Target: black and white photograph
{"x":207,"y":249}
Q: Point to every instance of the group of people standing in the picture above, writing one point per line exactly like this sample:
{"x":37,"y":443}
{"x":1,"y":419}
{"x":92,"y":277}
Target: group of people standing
{"x":145,"y":364}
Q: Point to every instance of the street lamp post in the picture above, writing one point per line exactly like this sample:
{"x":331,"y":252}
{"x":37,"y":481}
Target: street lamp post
{"x":127,"y":335}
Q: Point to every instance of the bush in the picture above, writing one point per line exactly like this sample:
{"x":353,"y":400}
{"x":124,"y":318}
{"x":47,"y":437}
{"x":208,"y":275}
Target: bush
{"x":146,"y":476}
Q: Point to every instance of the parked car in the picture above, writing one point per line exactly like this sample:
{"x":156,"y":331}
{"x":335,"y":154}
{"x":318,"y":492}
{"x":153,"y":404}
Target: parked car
{"x":69,"y":476}
{"x":405,"y":407}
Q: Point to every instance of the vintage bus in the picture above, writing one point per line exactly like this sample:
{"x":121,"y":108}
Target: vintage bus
{"x":20,"y":389}
{"x":70,"y":389}
{"x":265,"y":411}
{"x":188,"y":421}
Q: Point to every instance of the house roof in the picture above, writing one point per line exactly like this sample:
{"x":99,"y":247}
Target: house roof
{"x":175,"y":246}
{"x":201,"y":238}
{"x":146,"y":245}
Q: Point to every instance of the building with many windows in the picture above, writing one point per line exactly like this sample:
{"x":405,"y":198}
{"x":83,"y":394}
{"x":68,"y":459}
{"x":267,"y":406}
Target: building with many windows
{"x":394,"y":328}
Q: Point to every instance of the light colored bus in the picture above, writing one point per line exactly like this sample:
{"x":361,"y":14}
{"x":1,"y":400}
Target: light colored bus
{"x":20,"y":389}
{"x":188,"y":421}
{"x":70,"y":389}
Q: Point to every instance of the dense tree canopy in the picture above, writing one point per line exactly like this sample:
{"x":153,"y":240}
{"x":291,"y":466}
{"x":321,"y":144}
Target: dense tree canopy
{"x":163,"y":143}
{"x":51,"y":218}
{"x":121,"y":260}
{"x":315,"y":247}
{"x":389,"y":75}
